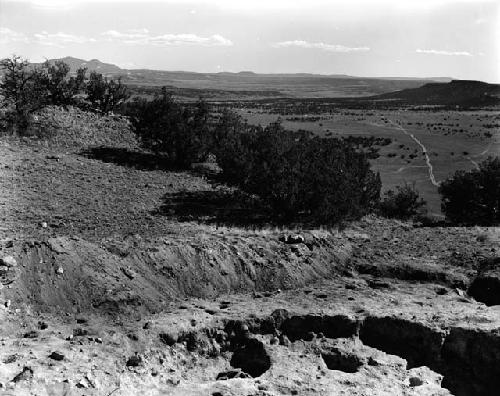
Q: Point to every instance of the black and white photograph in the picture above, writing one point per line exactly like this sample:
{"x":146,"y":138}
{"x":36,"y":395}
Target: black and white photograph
{"x":249,"y":197}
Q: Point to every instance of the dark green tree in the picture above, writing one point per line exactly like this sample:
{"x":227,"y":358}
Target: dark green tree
{"x":473,"y":197}
{"x":62,"y":89}
{"x":105,"y":95}
{"x":22,"y":92}
{"x":403,"y":203}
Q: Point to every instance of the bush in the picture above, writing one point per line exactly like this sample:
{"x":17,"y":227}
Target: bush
{"x":403,"y":203}
{"x":299,"y":176}
{"x":473,"y":197}
{"x":22,"y":91}
{"x":104,"y":95}
{"x":164,"y":126}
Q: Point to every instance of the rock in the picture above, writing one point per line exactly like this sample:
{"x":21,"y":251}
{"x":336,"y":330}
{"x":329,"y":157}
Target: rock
{"x":60,"y":271}
{"x":415,"y":381}
{"x":230,"y":374}
{"x":486,"y":287}
{"x":8,"y":261}
{"x":134,"y":361}
{"x":283,"y":339}
{"x":56,"y":356}
{"x":128,"y":273}
{"x":31,"y":334}
{"x":292,"y":239}
{"x":79,"y":332}
{"x":24,"y":375}
{"x":42,"y":325}
{"x":7,"y":303}
{"x":43,"y":224}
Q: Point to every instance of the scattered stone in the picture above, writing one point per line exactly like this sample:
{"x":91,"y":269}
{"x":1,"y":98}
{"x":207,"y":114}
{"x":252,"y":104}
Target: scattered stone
{"x":147,"y":325}
{"x":56,"y":356}
{"x":8,"y":261}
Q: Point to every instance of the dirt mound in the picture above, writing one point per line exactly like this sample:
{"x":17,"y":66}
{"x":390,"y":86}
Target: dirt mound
{"x":73,"y":127}
{"x":66,"y":274}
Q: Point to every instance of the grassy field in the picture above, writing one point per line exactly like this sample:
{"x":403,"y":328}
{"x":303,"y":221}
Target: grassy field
{"x":454,"y":140}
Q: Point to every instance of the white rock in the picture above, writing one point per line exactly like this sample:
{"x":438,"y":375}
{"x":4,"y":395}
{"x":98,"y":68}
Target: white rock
{"x":60,"y":270}
{"x":8,"y":261}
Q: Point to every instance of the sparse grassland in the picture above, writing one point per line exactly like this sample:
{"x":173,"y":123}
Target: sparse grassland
{"x":453,"y":140}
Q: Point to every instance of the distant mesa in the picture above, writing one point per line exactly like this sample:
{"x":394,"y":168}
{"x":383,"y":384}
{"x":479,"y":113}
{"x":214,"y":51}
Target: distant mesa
{"x":456,"y":92}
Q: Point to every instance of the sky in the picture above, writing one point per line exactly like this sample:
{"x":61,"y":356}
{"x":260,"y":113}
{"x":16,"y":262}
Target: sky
{"x":371,"y":38}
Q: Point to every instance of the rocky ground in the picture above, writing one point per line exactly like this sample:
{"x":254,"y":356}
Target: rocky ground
{"x":112,"y":285}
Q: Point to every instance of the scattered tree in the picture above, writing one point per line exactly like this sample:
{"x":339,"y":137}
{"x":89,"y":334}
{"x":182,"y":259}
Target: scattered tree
{"x":473,"y":197}
{"x":403,"y":203}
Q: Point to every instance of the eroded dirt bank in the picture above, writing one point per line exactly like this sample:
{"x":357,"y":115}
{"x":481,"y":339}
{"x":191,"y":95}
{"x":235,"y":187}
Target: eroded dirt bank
{"x":340,"y":337}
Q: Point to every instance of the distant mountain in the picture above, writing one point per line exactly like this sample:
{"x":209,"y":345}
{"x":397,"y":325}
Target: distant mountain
{"x":91,"y":65}
{"x":456,"y":92}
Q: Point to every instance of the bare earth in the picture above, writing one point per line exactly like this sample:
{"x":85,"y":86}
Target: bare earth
{"x":136,"y":298}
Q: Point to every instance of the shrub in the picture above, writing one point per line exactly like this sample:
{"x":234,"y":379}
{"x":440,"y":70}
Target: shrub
{"x":22,"y":91}
{"x":61,"y":90}
{"x":164,"y":126}
{"x":473,"y":197}
{"x":103,"y":94}
{"x":299,"y":176}
{"x":403,"y":203}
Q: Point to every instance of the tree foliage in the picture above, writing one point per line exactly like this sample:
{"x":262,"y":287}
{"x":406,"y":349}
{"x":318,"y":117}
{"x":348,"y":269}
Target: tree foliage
{"x":473,"y":197}
{"x":22,"y":90}
{"x":300,"y":176}
{"x":105,"y":94}
{"x":61,"y":90}
{"x":403,"y":203}
{"x":181,"y":133}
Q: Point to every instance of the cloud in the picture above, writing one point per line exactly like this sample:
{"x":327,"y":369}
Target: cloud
{"x":320,"y":46}
{"x":60,"y":39}
{"x":142,"y":37}
{"x":447,"y":53}
{"x":10,"y":36}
